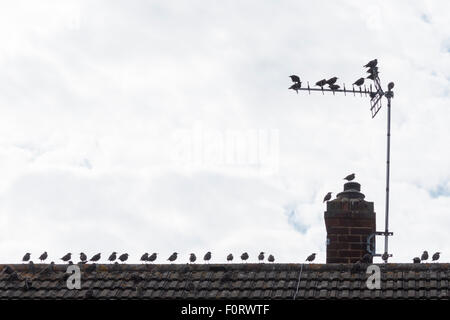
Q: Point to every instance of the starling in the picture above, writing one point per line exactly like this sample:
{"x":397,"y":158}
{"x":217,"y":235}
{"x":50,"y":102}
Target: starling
{"x":230,"y":257}
{"x":321,"y":83}
{"x":416,"y":260}
{"x":207,"y":256}
{"x":144,"y":257}
{"x":435,"y":256}
{"x":244,"y":256}
{"x":350,"y":177}
{"x":424,"y":256}
{"x":371,"y":77}
{"x":113,"y":257}
{"x":192,"y":258}
{"x":261,"y":256}
{"x":311,"y":257}
{"x":371,"y":64}
{"x":83,"y":257}
{"x":271,"y":258}
{"x":66,"y":257}
{"x":123,"y":257}
{"x":43,"y":256}
{"x":26,"y":257}
{"x":295,"y":78}
{"x":296,"y":86}
{"x":96,"y":257}
{"x":359,"y":82}
{"x":332,"y":81}
{"x":152,"y":257}
{"x":327,"y":197}
{"x":334,"y":87}
{"x":367,"y":258}
{"x":173,"y":257}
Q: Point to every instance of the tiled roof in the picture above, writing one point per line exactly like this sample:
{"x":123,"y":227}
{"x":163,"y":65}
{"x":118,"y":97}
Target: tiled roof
{"x":225,"y":281}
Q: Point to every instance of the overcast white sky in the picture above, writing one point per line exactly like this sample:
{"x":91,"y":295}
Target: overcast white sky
{"x":143,"y":126}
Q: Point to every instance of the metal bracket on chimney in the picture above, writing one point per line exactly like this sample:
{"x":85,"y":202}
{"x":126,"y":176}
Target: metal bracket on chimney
{"x":369,"y":245}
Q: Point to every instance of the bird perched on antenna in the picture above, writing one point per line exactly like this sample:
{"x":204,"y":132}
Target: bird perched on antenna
{"x":327,"y":197}
{"x":350,"y":177}
{"x":359,"y":82}
{"x":261,"y":256}
{"x":43,"y":256}
{"x":113,"y":257}
{"x":332,"y":80}
{"x":321,"y":83}
{"x":230,"y":257}
{"x":435,"y":256}
{"x":295,"y":78}
{"x":271,"y":258}
{"x":173,"y":257}
{"x":296,"y":86}
{"x":244,"y":256}
{"x":424,"y":256}
{"x":192,"y":258}
{"x":371,"y":64}
{"x":26,"y":257}
{"x":311,"y":257}
{"x":333,"y":87}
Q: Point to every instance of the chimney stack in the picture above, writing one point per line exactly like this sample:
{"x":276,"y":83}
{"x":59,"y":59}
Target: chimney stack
{"x":349,"y":220}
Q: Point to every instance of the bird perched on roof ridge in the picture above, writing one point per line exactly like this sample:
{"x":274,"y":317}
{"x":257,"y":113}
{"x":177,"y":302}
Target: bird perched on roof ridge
{"x":144,"y":257}
{"x":26,"y":257}
{"x":261,"y":256}
{"x":152,"y":257}
{"x":424,"y":256}
{"x":113,"y":257}
{"x":271,"y":258}
{"x":311,"y":257}
{"x":371,"y":63}
{"x":321,"y":83}
{"x":295,"y":78}
{"x":83,"y":257}
{"x":230,"y":257}
{"x":66,"y":257}
{"x":123,"y":257}
{"x":416,"y":260}
{"x":359,"y":82}
{"x":435,"y":256}
{"x":43,"y":256}
{"x":350,"y":177}
{"x":327,"y":197}
{"x":332,"y":81}
{"x":296,"y":86}
{"x":96,"y":257}
{"x":173,"y":257}
{"x":244,"y":256}
{"x":192,"y":258}
{"x":207,"y":256}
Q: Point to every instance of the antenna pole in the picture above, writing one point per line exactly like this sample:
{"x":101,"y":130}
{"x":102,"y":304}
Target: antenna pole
{"x":388,"y":95}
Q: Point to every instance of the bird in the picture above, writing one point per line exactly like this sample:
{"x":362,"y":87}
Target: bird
{"x":152,"y":257}
{"x":112,"y":257}
{"x":327,"y":197}
{"x":83,"y":257}
{"x":333,"y":87}
{"x":244,"y":256}
{"x":367,"y":258}
{"x":207,"y":256}
{"x":371,"y":64}
{"x":359,"y":82}
{"x":66,"y":257}
{"x":95,"y":257}
{"x":43,"y":256}
{"x":311,"y":257}
{"x":296,"y":86}
{"x":144,"y":257}
{"x":371,"y":77}
{"x":372,"y":95}
{"x":321,"y":83}
{"x":173,"y":257}
{"x":435,"y":256}
{"x":261,"y":256}
{"x":350,"y":177}
{"x":230,"y":257}
{"x":271,"y":258}
{"x":332,"y":80}
{"x":390,"y":86}
{"x":416,"y":260}
{"x":192,"y":258}
{"x":424,"y":256}
{"x":26,"y":257}
{"x":123,"y":257}
{"x":295,"y":78}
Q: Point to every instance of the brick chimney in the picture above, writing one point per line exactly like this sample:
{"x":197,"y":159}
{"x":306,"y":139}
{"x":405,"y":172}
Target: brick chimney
{"x":349,"y":220}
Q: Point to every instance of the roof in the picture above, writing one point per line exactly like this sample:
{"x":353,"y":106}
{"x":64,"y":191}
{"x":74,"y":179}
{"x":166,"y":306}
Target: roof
{"x":224,"y":281}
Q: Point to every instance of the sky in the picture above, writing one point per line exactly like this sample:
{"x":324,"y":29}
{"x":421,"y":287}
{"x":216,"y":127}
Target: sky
{"x":162,"y":126}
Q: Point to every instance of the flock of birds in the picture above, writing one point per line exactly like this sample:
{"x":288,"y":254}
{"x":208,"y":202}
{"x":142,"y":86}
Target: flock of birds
{"x":424,"y":257}
{"x":151,"y":258}
{"x":373,"y":71}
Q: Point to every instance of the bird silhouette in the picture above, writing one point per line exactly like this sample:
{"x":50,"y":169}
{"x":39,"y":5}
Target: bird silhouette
{"x":173,"y":257}
{"x":83,"y":257}
{"x":230,"y":257}
{"x":271,"y":258}
{"x":416,"y":260}
{"x":295,"y":78}
{"x":144,"y":257}
{"x":66,"y":257}
{"x":123,"y":257}
{"x":371,"y":64}
{"x":359,"y":82}
{"x":152,"y":257}
{"x":26,"y":257}
{"x":296,"y":86}
{"x":390,"y":86}
{"x":192,"y":258}
{"x":333,"y":87}
{"x":321,"y":83}
{"x":435,"y":256}
{"x":244,"y":256}
{"x":261,"y":256}
{"x":311,"y":257}
{"x":371,"y":77}
{"x":113,"y":257}
{"x":207,"y":256}
{"x":332,"y":81}
{"x":96,"y":257}
{"x":424,"y":256}
{"x":43,"y":256}
{"x":350,"y":177}
{"x":327,"y":197}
